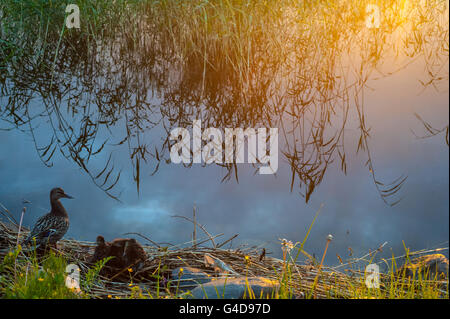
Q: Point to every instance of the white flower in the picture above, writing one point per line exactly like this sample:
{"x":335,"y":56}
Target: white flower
{"x":286,"y":244}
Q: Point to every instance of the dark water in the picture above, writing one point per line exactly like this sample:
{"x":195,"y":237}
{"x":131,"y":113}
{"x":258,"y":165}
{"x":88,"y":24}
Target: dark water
{"x":132,"y":112}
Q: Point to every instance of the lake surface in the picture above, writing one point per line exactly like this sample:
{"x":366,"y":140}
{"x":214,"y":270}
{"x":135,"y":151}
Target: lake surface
{"x":262,"y":209}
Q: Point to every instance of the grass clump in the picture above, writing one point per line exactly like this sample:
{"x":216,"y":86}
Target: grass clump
{"x":26,"y":278}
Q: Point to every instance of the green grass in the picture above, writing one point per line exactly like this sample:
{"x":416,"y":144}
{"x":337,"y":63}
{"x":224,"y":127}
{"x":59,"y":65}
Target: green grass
{"x":30,"y":279}
{"x":26,"y":276}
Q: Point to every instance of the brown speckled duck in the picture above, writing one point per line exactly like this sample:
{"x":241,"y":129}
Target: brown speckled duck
{"x":50,"y":228}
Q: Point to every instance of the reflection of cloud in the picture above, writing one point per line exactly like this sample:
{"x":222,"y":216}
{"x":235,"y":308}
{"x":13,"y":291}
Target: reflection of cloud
{"x":148,"y":212}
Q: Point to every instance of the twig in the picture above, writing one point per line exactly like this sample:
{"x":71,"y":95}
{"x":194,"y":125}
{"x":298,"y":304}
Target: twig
{"x":9,"y":215}
{"x":194,"y":235}
{"x":199,"y":225}
{"x":204,"y":241}
{"x":146,"y":238}
{"x":20,"y":225}
{"x":360,"y":258}
{"x":226,"y":241}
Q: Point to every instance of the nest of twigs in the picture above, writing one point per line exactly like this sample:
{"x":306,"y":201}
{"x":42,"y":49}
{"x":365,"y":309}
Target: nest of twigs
{"x":155,"y":273}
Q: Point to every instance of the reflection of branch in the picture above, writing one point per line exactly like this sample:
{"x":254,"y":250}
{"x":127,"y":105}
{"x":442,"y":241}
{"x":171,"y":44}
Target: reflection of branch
{"x":385,"y":190}
{"x":431,"y":130}
{"x":276,"y":72}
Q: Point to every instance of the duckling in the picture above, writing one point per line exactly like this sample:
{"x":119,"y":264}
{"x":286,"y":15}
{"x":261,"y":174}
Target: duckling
{"x":126,"y":252}
{"x":134,"y":253}
{"x":110,"y":249}
{"x":101,"y":250}
{"x":50,"y":228}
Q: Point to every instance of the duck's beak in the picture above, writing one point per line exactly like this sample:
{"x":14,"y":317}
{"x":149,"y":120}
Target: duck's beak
{"x":67,"y":196}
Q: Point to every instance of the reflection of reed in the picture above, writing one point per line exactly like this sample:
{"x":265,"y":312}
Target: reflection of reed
{"x":283,"y":64}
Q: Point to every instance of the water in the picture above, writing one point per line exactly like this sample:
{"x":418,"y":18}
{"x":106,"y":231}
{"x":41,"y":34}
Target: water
{"x":132,"y":106}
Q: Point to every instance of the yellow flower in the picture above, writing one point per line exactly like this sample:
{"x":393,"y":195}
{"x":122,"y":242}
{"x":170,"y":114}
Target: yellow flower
{"x":130,"y":285}
{"x":181,"y":269}
{"x":130,"y":269}
{"x":247,"y":258}
{"x":40,"y":279}
{"x":109,"y":296}
{"x":76,"y":290}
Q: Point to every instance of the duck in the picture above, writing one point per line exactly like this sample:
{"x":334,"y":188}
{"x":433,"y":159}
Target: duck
{"x":50,"y":228}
